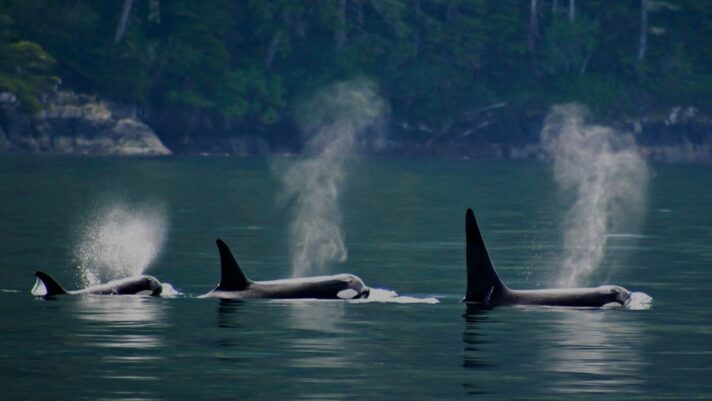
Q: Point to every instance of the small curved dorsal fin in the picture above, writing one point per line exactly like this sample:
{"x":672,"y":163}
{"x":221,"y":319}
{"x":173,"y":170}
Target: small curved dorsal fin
{"x":231,"y":276}
{"x":482,"y":280}
{"x":52,"y":286}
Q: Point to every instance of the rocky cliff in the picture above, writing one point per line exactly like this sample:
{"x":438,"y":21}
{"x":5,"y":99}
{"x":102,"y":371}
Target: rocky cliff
{"x":75,"y":124}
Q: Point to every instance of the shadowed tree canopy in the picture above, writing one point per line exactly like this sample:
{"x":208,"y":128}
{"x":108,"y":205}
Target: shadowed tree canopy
{"x":240,"y":64}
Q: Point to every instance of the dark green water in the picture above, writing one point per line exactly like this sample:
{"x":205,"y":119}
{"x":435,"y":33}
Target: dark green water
{"x":403,"y":222}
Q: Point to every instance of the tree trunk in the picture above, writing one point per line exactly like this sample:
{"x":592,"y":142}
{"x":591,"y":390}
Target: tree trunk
{"x":357,"y":8}
{"x":416,"y":34}
{"x":273,"y":47}
{"x":572,"y":10}
{"x":533,"y":28}
{"x":154,"y":11}
{"x":643,"y":49}
{"x":123,"y":21}
{"x":341,"y":29}
{"x":533,"y":36}
{"x":450,"y":13}
{"x":584,"y":65}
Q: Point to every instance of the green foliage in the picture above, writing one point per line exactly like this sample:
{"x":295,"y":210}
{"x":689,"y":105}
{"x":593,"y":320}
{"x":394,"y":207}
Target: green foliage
{"x":596,"y":90}
{"x":252,"y":94}
{"x":246,"y":62}
{"x":25,"y":68}
{"x":569,"y":46}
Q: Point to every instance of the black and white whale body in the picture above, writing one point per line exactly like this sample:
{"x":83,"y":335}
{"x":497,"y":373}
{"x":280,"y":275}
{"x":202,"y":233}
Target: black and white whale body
{"x":485,"y":288}
{"x":137,"y":285}
{"x":235,"y":285}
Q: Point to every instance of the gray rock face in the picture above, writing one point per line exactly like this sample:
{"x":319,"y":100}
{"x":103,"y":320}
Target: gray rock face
{"x":77,"y":124}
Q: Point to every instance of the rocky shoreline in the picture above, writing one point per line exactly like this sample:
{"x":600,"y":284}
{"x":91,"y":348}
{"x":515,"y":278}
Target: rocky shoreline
{"x":680,"y":135}
{"x":76,"y":124}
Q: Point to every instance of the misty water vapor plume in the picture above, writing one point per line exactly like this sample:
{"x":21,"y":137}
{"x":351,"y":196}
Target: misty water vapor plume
{"x":120,"y":241}
{"x":608,"y":177}
{"x":334,"y":121}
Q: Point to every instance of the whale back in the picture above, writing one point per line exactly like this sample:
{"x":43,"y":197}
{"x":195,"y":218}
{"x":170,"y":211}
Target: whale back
{"x":231,"y":276}
{"x":482,"y":280}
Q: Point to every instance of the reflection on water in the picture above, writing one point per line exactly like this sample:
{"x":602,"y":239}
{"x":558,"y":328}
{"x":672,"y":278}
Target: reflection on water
{"x":121,"y":310}
{"x":288,"y":337}
{"x":228,"y":316}
{"x":477,"y":358}
{"x":551,"y":351}
{"x":123,"y":335}
{"x":594,"y":351}
{"x":323,"y":344}
{"x":319,"y":316}
{"x":473,"y":338}
{"x":320,"y":339}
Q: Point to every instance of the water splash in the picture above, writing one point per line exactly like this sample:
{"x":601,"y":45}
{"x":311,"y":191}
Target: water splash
{"x":333,"y":119}
{"x":120,"y":241}
{"x":168,"y":291}
{"x":378,"y":295}
{"x":608,"y":177}
{"x":639,"y":301}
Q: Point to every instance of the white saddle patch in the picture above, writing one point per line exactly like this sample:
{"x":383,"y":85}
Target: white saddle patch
{"x":612,"y":305}
{"x":348,"y":293}
{"x":39,"y":289}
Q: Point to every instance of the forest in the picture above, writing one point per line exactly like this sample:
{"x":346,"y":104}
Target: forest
{"x":216,"y":66}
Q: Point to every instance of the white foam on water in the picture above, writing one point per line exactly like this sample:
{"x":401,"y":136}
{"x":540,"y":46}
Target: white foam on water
{"x":378,"y":295}
{"x":169,"y":291}
{"x":626,"y":235}
{"x":639,"y":301}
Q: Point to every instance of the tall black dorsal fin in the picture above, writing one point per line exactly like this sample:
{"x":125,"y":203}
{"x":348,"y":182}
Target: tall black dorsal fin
{"x":231,"y":276}
{"x":52,"y":286}
{"x":482,"y":280}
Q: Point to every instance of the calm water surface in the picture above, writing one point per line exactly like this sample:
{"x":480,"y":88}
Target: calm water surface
{"x":403,"y":222}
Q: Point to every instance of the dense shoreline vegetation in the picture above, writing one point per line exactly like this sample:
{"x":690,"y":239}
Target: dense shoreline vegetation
{"x":196,"y":70}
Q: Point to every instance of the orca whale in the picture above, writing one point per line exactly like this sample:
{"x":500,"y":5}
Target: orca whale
{"x":484,"y":286}
{"x":235,"y":285}
{"x":138,"y":285}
